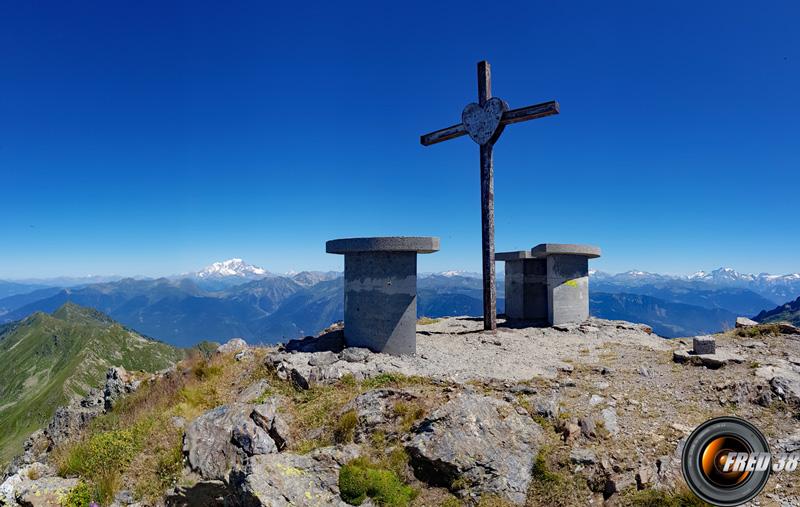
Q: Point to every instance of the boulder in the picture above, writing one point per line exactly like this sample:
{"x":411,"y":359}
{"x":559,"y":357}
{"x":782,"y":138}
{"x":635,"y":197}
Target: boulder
{"x":244,"y":355}
{"x":208,"y":442}
{"x":375,"y":410}
{"x":588,"y":427}
{"x":476,"y":445}
{"x":713,"y":361}
{"x":118,"y":383}
{"x":8,"y":487}
{"x":784,"y":381}
{"x":324,"y":358}
{"x":581,"y":456}
{"x":276,"y":423}
{"x":44,"y":492}
{"x":329,"y":340}
{"x":786,"y":328}
{"x":254,"y":391}
{"x":547,"y":407}
{"x":68,"y":421}
{"x":355,"y":354}
{"x":745,"y":322}
{"x":231,"y":346}
{"x":609,"y":417}
{"x":252,"y":439}
{"x":289,"y":479}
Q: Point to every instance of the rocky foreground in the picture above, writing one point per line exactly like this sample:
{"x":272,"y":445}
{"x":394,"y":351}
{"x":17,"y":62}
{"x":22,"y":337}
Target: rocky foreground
{"x":590,"y":414}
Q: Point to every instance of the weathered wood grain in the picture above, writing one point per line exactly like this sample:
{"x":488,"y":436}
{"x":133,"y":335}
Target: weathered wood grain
{"x":511,"y":116}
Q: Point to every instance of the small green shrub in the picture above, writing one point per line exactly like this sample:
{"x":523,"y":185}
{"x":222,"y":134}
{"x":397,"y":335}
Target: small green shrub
{"x":554,"y":487}
{"x":451,"y":501}
{"x":79,"y":496}
{"x":345,"y":427}
{"x":360,"y":479}
{"x":758,"y":331}
{"x":206,"y":348}
{"x":101,"y":459}
{"x":205,"y":371}
{"x":426,"y":321}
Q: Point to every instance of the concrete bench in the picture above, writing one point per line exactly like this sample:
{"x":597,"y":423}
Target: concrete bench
{"x":380,"y":290}
{"x":549,"y":283}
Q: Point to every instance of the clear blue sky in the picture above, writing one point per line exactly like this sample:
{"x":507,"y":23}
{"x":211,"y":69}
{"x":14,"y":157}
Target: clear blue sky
{"x":156,"y":137}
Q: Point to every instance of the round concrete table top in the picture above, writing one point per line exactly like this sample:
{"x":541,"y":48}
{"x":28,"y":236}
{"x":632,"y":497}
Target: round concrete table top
{"x":545,"y":249}
{"x":419,"y":244}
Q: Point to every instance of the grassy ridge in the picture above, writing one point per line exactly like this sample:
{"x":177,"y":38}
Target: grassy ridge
{"x":47,"y":360}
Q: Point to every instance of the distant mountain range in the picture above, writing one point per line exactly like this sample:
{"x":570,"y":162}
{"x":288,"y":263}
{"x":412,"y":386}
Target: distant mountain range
{"x":47,"y":360}
{"x":776,"y":288}
{"x":233,"y":298}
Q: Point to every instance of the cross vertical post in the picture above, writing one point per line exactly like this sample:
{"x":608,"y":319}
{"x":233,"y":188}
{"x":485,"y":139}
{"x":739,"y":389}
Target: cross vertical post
{"x":483,"y":122}
{"x":487,"y":208}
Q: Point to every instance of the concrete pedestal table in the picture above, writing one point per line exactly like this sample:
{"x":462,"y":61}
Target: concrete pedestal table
{"x":548,"y":283}
{"x":380,"y":290}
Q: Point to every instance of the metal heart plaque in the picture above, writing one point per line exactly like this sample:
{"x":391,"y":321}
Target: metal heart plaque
{"x":482,"y":122}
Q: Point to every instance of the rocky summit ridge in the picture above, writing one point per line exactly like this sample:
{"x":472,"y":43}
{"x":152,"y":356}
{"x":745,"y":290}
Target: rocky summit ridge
{"x":594,"y":413}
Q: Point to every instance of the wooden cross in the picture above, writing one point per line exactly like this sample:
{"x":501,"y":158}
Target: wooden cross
{"x":484,"y":122}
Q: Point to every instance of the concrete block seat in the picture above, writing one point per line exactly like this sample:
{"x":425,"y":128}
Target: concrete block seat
{"x":380,"y":290}
{"x":548,"y":283}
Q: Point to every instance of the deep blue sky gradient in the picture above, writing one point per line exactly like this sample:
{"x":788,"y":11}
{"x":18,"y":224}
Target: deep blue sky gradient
{"x":156,"y":137}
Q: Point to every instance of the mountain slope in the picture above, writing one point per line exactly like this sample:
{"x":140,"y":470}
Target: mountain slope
{"x":734,"y":299}
{"x":47,"y":360}
{"x":666,"y":318}
{"x":790,"y":312}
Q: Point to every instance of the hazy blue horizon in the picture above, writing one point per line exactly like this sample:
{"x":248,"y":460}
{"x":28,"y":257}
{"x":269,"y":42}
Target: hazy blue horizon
{"x":155,"y":138}
{"x":340,"y":269}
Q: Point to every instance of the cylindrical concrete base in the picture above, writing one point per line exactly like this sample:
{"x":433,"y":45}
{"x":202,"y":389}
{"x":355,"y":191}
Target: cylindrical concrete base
{"x":568,"y":288}
{"x":380,"y":301}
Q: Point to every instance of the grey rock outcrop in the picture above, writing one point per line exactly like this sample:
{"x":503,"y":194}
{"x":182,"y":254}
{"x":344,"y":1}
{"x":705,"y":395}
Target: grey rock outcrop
{"x":282,"y":480}
{"x":479,"y":443}
{"x":220,"y":440}
{"x":376,"y":410}
{"x":254,"y":391}
{"x":784,"y":381}
{"x":745,"y":322}
{"x":210,"y":450}
{"x":252,"y":439}
{"x":44,"y":492}
{"x":118,"y":383}
{"x":231,"y":346}
{"x":268,"y":416}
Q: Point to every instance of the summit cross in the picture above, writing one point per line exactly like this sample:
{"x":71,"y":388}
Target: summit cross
{"x":484,"y":121}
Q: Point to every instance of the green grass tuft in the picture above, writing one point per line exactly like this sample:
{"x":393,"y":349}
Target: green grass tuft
{"x":660,"y":498}
{"x":345,"y":427}
{"x":360,"y":479}
{"x":79,"y":496}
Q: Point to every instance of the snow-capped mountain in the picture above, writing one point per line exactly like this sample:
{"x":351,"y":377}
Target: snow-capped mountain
{"x":231,"y":268}
{"x":776,"y":288}
{"x":723,"y":276}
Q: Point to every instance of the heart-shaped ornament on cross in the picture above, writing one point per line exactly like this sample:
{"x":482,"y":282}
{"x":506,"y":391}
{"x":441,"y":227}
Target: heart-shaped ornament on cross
{"x":483,"y":121}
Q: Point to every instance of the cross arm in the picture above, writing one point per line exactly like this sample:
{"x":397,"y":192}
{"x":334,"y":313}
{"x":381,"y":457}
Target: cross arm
{"x":509,"y":117}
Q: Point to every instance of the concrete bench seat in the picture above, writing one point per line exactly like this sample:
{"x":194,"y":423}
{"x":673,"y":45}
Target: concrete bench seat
{"x":380,"y":290}
{"x":548,"y":283}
